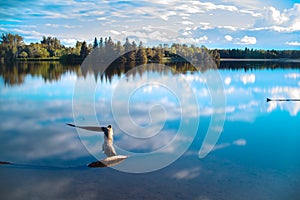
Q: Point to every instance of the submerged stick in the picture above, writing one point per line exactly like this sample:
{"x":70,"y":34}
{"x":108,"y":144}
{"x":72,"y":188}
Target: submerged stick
{"x":5,"y":163}
{"x":268,"y":99}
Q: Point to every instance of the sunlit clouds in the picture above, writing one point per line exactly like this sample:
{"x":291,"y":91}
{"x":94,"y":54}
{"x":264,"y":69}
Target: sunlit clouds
{"x":211,"y":23}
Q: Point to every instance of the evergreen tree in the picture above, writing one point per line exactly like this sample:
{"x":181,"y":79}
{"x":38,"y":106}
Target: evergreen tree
{"x":84,"y":51}
{"x":105,"y":42}
{"x":133,"y":46}
{"x":159,"y":55}
{"x":101,"y":42}
{"x":140,"y":45}
{"x":95,"y":45}
{"x":127,"y":45}
{"x":109,"y":44}
{"x":141,"y":54}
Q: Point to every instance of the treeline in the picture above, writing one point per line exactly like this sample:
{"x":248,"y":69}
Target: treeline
{"x":12,"y":48}
{"x":258,"y":54}
{"x":131,"y":52}
{"x":123,"y":53}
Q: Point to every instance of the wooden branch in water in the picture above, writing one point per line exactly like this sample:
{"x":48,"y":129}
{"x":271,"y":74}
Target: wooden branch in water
{"x":268,"y":99}
{"x":4,"y":163}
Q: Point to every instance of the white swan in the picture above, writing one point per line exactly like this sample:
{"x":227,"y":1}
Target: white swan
{"x":107,"y":147}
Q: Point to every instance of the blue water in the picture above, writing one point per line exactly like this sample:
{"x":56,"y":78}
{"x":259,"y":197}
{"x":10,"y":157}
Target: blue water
{"x":256,"y":156}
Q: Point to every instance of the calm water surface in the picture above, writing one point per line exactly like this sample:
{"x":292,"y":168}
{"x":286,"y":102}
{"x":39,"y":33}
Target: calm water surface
{"x":256,"y":156}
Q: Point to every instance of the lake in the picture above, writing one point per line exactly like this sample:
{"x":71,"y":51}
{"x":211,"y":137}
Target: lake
{"x":161,"y":116}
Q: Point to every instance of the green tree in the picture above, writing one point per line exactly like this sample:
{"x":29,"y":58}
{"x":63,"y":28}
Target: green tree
{"x":109,"y":45}
{"x":78,"y":47}
{"x":159,"y":55}
{"x":23,"y":54}
{"x":95,"y":45}
{"x":133,"y":45}
{"x":127,"y":46}
{"x":36,"y":50}
{"x":52,"y":44}
{"x":84,"y":51}
{"x":10,"y":45}
{"x":131,"y":56}
{"x":142,"y":55}
{"x":101,"y":43}
{"x":11,"y":40}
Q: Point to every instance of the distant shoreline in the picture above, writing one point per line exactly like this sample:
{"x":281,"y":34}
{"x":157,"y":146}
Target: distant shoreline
{"x":260,"y":59}
{"x":38,"y":59}
{"x":169,"y":59}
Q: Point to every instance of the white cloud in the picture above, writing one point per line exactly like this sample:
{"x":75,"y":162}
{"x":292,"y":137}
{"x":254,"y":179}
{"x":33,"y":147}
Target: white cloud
{"x":254,"y":14}
{"x":248,"y":105}
{"x":29,"y":34}
{"x":190,"y":40}
{"x":294,"y":43}
{"x":187,"y":22}
{"x":227,"y":81}
{"x":292,"y":75}
{"x":212,"y":6}
{"x":167,"y":15}
{"x":274,"y":16}
{"x":228,"y":38}
{"x":101,"y":18}
{"x":227,"y":17}
{"x":189,"y":9}
{"x":232,"y":28}
{"x":115,"y":32}
{"x":61,"y":25}
{"x":249,"y":4}
{"x":240,"y":142}
{"x":165,"y":2}
{"x":209,"y":147}
{"x":69,"y":42}
{"x":247,"y":78}
{"x":248,"y":40}
{"x":203,"y":26}
{"x":187,"y":174}
{"x":287,"y":20}
{"x":52,"y":25}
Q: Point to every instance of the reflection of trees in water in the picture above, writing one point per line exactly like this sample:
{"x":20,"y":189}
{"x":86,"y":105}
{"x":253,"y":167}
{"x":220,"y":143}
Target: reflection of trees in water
{"x":15,"y":73}
{"x":96,"y":64}
{"x":119,"y":69}
{"x":252,"y":65}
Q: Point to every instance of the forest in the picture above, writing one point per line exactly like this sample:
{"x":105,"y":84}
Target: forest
{"x":13,"y":48}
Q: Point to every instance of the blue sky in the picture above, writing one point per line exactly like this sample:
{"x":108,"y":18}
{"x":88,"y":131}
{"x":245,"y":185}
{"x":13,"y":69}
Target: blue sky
{"x":267,"y":24}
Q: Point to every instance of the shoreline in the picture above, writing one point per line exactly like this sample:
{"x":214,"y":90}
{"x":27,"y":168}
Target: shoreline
{"x":167,"y":60}
{"x":259,"y":60}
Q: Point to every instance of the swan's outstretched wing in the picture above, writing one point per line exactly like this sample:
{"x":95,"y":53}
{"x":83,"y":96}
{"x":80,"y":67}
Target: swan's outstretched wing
{"x":107,"y":148}
{"x":90,"y":128}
